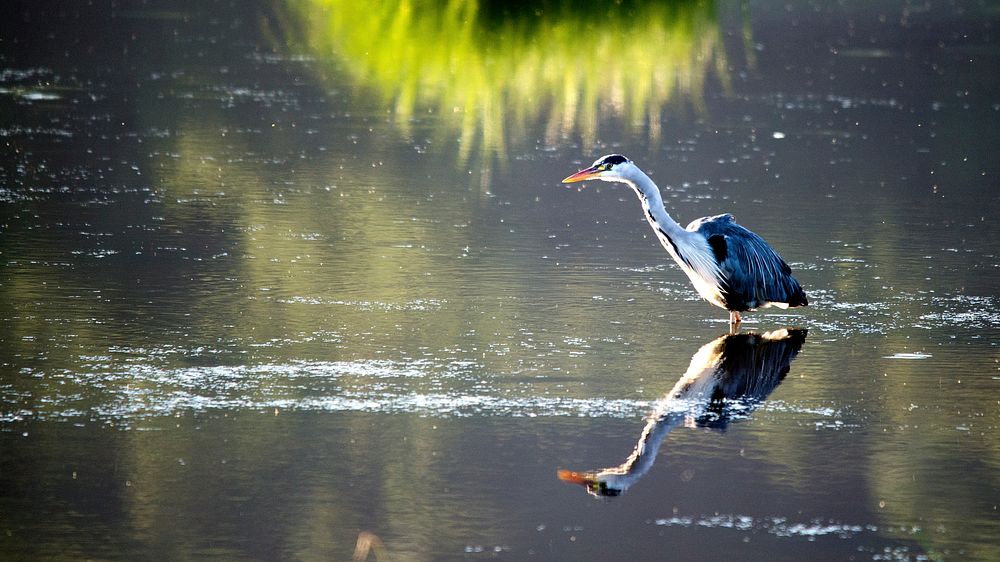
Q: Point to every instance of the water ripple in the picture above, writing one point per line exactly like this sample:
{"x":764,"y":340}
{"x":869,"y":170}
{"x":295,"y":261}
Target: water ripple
{"x":451,"y":389}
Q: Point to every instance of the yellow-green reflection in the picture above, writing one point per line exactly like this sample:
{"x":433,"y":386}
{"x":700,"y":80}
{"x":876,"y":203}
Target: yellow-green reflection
{"x":491,"y":80}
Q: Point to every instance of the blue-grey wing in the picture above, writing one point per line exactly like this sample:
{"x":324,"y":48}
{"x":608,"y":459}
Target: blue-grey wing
{"x":753,"y":274}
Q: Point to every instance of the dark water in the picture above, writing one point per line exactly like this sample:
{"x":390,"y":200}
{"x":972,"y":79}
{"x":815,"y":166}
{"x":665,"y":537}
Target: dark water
{"x":277,"y":278}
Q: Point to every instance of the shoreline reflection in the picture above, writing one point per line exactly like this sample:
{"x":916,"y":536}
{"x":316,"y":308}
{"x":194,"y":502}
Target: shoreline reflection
{"x":727,"y":379}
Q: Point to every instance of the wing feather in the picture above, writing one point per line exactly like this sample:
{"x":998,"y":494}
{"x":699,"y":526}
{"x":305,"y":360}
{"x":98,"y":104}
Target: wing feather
{"x":753,"y":274}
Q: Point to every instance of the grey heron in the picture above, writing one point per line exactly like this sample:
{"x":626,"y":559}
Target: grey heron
{"x":728,"y":265}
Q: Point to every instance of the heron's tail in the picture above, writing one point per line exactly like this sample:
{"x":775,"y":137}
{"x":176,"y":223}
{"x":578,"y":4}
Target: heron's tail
{"x":796,"y":296}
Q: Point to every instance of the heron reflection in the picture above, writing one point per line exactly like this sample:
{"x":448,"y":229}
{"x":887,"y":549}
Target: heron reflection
{"x":727,"y":379}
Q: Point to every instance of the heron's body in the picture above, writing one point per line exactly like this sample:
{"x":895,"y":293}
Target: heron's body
{"x":729,"y":266}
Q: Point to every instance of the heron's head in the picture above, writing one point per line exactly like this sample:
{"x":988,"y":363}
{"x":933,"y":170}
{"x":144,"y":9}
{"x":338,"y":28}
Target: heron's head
{"x":597,"y":484}
{"x":613,"y":167}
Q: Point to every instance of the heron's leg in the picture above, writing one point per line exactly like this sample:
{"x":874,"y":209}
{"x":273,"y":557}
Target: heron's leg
{"x":734,"y":321}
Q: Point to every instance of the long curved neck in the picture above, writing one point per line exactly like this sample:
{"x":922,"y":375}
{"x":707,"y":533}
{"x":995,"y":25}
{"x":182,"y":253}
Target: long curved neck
{"x":667,"y":230}
{"x":688,"y":398}
{"x":643,"y":455}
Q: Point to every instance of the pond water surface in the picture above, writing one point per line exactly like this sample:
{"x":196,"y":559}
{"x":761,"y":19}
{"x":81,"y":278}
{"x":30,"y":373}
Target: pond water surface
{"x":287,"y":280}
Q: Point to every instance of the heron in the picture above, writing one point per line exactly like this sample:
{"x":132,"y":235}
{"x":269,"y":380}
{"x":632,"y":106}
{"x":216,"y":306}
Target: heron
{"x":729,"y":266}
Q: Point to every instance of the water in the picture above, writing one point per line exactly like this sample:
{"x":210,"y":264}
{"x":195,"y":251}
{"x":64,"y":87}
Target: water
{"x":277,"y":278}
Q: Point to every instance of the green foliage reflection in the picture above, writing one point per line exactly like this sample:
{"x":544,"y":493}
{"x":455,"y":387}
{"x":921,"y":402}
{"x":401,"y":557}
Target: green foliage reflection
{"x":492,"y":72}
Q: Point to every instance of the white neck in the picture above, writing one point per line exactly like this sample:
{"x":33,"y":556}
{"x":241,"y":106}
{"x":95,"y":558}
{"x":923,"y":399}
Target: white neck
{"x":623,"y":476}
{"x":667,"y":230}
{"x":689,"y":249}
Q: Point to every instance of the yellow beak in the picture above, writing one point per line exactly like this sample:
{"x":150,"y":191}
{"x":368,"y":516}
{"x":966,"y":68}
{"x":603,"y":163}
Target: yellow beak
{"x":587,"y":174}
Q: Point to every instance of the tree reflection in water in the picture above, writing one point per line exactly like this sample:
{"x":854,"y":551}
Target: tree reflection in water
{"x":489,"y":76}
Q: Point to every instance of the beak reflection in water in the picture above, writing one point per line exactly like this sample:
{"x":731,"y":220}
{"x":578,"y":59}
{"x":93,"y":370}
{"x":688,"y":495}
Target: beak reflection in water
{"x":727,"y":379}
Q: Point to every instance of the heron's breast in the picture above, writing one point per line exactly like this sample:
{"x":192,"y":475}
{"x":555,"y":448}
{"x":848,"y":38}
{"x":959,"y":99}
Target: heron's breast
{"x":709,"y":289}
